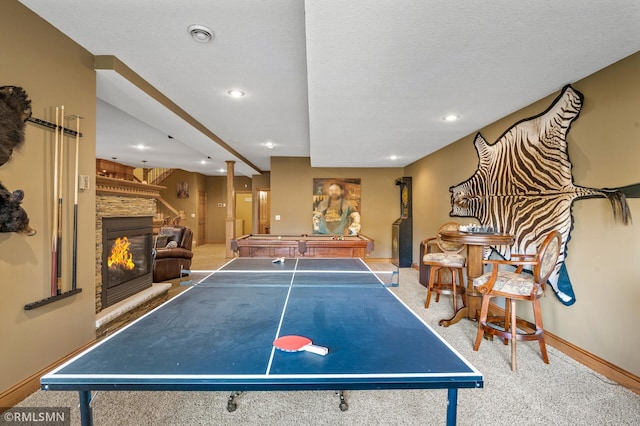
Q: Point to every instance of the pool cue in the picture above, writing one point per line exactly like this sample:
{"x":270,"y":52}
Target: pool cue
{"x":74,"y":273}
{"x":54,"y":227}
{"x":60,"y":189}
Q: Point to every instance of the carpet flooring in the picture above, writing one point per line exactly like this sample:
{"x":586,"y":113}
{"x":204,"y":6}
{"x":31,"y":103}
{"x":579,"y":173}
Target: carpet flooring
{"x":561,"y":393}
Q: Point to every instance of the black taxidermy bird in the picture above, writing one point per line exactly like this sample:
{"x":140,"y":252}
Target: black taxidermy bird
{"x":15,"y":110}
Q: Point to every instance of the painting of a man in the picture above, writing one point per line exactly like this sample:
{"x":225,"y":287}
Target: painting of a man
{"x":336,"y":206}
{"x":183,"y":190}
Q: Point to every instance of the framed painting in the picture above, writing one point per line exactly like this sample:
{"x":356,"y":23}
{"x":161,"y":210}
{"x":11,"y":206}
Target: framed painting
{"x":336,"y":206}
{"x":182,"y":189}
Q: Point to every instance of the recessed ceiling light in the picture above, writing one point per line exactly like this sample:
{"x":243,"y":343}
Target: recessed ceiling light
{"x":235,"y":93}
{"x":141,"y":146}
{"x":269,"y":145}
{"x":200,"y":33}
{"x":203,"y":162}
{"x":222,"y":170}
{"x":450,"y":117}
{"x":393,"y":157}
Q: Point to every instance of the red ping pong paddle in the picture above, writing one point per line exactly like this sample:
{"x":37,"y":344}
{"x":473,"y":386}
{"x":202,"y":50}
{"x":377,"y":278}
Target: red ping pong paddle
{"x":294,"y":343}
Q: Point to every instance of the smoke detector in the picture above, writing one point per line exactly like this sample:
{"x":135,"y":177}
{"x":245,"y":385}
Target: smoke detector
{"x":200,"y":33}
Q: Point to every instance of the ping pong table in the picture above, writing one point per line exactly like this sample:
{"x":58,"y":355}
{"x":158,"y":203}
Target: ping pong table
{"x":218,"y":335}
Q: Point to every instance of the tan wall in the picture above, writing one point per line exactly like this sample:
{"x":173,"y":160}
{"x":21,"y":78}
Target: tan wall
{"x":197,"y":182}
{"x":291,"y":198}
{"x":244,"y":210}
{"x":54,"y":71}
{"x":216,"y":198}
{"x":217,"y":195}
{"x":604,"y":147}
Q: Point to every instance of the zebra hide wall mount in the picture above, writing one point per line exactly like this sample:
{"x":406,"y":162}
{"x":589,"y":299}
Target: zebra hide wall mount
{"x":523,"y":186}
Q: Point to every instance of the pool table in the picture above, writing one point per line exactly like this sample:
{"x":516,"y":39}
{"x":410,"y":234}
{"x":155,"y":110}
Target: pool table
{"x":271,"y":245}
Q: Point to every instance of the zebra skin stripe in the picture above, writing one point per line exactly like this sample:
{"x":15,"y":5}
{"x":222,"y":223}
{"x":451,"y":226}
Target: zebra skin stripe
{"x":523,"y":186}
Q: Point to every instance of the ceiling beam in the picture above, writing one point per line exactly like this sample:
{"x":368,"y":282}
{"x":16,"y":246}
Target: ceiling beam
{"x":112,"y":63}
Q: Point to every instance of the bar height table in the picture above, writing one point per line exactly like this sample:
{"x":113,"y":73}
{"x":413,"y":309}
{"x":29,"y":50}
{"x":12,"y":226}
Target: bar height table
{"x":474,"y":241}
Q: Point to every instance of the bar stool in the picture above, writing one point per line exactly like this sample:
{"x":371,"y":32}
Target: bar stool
{"x":449,"y":259}
{"x":517,"y":286}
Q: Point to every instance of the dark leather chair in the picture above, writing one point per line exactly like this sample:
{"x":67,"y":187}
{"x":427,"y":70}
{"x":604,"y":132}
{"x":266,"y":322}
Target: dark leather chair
{"x":168,"y":262}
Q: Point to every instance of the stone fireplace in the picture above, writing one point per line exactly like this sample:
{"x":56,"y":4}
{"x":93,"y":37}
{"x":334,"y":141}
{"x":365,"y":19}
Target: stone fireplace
{"x":116,"y":198}
{"x":126,"y":257}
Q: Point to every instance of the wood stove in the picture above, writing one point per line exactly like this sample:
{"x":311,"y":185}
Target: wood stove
{"x":126,"y":257}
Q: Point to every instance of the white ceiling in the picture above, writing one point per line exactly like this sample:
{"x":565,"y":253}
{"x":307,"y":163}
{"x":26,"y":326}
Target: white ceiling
{"x":127,"y":118}
{"x":349,"y":83}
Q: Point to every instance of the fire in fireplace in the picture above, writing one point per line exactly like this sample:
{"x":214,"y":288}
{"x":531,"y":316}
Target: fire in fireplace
{"x":121,"y":256}
{"x":126,"y":257}
{"x":120,"y":264}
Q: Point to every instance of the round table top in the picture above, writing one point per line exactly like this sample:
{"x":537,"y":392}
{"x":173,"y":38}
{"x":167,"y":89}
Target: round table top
{"x":477,"y":238}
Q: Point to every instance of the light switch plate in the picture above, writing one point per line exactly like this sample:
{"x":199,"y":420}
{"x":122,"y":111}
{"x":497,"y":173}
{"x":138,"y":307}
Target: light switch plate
{"x":84,"y":182}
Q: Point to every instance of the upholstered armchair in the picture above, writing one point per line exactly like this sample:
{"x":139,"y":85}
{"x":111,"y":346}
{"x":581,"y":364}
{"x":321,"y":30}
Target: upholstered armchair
{"x":172,"y":252}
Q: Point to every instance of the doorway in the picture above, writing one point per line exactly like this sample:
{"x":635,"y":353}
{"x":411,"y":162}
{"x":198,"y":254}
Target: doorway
{"x":264,"y":214}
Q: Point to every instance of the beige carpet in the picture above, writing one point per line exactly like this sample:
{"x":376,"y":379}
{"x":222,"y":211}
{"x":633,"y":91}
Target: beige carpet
{"x":561,"y":393}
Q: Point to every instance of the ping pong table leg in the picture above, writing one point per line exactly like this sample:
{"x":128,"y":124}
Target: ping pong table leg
{"x":344,"y":406}
{"x":86,"y":415}
{"x":232,"y":405}
{"x":452,"y":405}
{"x":395,"y":278}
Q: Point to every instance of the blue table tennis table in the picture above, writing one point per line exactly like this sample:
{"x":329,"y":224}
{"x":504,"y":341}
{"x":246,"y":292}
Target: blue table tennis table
{"x":218,"y":336}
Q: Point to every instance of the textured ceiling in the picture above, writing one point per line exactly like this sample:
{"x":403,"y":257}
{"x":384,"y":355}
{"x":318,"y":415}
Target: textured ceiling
{"x":127,"y":117}
{"x":349,"y":83}
{"x":382,"y":75}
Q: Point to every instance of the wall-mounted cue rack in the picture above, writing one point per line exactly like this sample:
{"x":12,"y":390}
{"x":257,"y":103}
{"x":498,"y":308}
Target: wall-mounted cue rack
{"x":56,"y":258}
{"x":33,"y":305}
{"x":53,"y":126}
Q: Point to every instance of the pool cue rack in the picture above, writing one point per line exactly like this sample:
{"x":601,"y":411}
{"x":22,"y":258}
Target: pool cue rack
{"x":33,"y":305}
{"x":53,"y":126}
{"x":73,"y":133}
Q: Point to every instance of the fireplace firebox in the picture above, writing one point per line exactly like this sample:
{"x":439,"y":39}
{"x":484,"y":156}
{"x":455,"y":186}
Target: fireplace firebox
{"x":126,"y":257}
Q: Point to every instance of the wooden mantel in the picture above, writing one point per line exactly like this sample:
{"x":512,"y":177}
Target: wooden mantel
{"x":107,"y":185}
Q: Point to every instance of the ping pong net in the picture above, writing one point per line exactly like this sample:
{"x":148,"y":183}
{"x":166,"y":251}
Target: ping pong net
{"x":318,"y":272}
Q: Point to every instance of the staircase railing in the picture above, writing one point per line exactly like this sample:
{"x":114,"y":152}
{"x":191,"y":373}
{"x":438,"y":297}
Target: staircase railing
{"x":156,"y":175}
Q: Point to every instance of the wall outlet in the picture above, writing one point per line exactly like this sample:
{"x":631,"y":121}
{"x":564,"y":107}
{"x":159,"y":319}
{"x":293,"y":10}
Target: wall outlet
{"x":193,"y":215}
{"x":220,"y":205}
{"x":277,"y":217}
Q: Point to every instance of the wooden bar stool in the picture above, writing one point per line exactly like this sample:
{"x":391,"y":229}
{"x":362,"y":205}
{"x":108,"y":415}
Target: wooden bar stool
{"x":449,"y":259}
{"x":517,"y":286}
